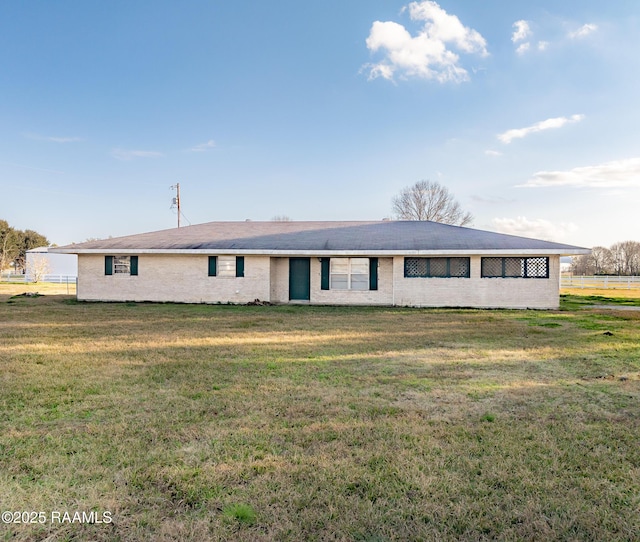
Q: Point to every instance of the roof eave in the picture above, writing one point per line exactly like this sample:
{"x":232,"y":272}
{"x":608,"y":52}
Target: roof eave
{"x":568,"y":251}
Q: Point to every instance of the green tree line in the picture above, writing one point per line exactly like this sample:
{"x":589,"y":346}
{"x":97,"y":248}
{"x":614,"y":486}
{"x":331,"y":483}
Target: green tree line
{"x":14,"y":245}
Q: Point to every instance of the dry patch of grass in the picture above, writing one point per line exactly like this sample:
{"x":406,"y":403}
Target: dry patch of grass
{"x":192,"y":422}
{"x":608,"y":292}
{"x":8,"y":290}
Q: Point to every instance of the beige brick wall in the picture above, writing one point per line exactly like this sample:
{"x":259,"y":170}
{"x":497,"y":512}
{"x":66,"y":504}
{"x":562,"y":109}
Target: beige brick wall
{"x":184,"y":278}
{"x":172,"y":278}
{"x":514,"y":293}
{"x":279,"y":280}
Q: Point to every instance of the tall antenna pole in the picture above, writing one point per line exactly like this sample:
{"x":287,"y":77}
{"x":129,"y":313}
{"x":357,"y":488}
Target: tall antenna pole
{"x":176,"y":200}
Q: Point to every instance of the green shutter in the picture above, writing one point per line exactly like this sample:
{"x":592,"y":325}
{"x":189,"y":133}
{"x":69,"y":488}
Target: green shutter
{"x":373,"y":273}
{"x":108,"y":265}
{"x":134,"y":265}
{"x":324,"y":275}
{"x":213,"y":266}
{"x":239,"y":266}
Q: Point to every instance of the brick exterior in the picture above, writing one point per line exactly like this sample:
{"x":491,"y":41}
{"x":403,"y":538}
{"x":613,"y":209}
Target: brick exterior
{"x":169,"y":277}
{"x":183,"y":278}
{"x":515,"y":293}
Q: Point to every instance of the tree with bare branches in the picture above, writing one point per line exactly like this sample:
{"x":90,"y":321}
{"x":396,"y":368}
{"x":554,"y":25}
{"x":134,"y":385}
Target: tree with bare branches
{"x":38,"y":267}
{"x":429,"y":200}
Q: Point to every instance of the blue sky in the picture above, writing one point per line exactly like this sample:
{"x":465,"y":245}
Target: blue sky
{"x":527,"y":111}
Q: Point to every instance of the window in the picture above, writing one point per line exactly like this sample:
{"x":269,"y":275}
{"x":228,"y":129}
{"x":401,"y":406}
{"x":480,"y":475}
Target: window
{"x":121,"y":265}
{"x":349,"y":274}
{"x":226,"y":266}
{"x":436,"y":267}
{"x":528,"y":268}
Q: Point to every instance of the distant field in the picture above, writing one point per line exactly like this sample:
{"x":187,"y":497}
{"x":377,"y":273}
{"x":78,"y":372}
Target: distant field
{"x":195,"y":422}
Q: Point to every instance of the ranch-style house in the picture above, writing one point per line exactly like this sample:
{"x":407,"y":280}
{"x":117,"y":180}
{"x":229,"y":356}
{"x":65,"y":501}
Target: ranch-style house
{"x":405,"y":263}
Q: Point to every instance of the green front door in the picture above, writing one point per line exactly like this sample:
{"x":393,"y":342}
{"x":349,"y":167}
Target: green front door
{"x":299,"y":278}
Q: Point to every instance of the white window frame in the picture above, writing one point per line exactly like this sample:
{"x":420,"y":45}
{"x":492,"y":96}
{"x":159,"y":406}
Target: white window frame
{"x":347,"y":268}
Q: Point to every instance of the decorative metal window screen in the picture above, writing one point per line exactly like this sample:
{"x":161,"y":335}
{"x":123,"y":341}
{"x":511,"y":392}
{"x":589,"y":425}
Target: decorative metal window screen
{"x":459,"y":267}
{"x":515,"y":267}
{"x":122,"y":265}
{"x":491,"y":267}
{"x":415,"y":267}
{"x":436,"y":267}
{"x":537,"y":268}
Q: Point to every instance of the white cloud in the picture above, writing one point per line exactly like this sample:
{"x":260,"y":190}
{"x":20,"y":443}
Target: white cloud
{"x":618,"y":173}
{"x":447,"y":28}
{"x":54,"y":139}
{"x":583,"y":31}
{"x":490,"y":152}
{"x":543,"y":45}
{"x":426,"y":55}
{"x":537,"y":229}
{"x":123,"y":154}
{"x":517,"y":133}
{"x":521,"y":32}
{"x":204,"y":146}
{"x":491,"y":200}
{"x":523,"y":48}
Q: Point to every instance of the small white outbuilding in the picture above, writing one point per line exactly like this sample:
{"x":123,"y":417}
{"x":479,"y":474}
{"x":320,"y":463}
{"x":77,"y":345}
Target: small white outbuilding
{"x":40,"y":261}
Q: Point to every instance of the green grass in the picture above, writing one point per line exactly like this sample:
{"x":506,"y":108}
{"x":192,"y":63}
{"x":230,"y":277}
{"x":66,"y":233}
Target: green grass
{"x":573,"y":301}
{"x":194,"y":422}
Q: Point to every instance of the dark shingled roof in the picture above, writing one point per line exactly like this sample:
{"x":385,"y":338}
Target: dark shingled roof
{"x":378,"y":236}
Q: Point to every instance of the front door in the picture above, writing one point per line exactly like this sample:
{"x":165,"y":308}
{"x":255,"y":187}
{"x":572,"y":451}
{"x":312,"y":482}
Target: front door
{"x":299,"y":279}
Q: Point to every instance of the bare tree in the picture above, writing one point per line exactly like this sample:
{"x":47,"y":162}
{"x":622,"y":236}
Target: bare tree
{"x":38,"y":267}
{"x":428,"y":200}
{"x":626,"y":257}
{"x":602,"y":260}
{"x":582,"y":265}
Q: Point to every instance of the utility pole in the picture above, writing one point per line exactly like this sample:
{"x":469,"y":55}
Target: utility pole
{"x":176,"y":200}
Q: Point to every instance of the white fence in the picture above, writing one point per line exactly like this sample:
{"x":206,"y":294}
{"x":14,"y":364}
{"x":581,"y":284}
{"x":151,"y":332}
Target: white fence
{"x":600,"y":282}
{"x":56,"y":279}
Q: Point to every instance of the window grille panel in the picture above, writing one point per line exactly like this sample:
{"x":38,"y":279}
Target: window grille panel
{"x":459,"y":267}
{"x":437,"y":267}
{"x":538,"y":267}
{"x":491,"y":267}
{"x":415,"y":267}
{"x":514,"y":267}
